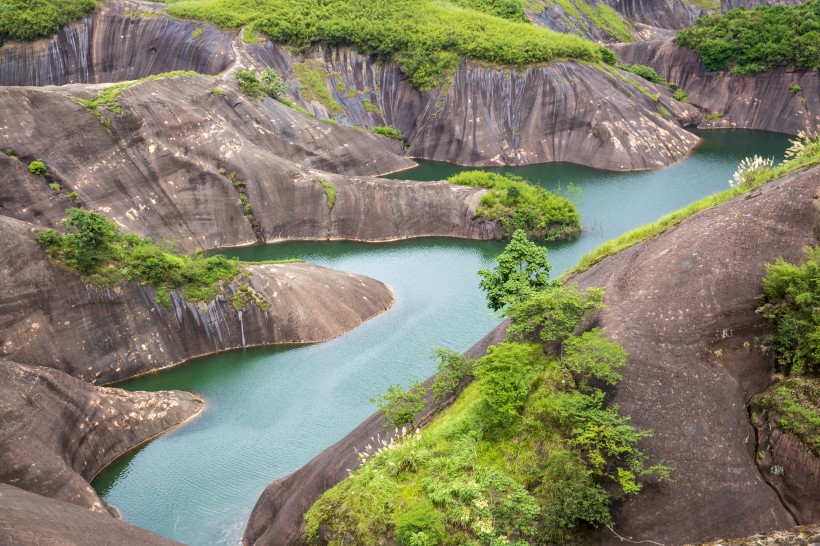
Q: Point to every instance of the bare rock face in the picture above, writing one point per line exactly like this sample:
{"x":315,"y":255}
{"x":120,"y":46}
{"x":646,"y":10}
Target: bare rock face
{"x":48,"y":317}
{"x":675,"y":302}
{"x":33,"y":520}
{"x":126,"y":40}
{"x":170,"y":165}
{"x":806,"y":535}
{"x":683,"y":306}
{"x":565,"y":111}
{"x":57,"y":432}
{"x":762,"y":101}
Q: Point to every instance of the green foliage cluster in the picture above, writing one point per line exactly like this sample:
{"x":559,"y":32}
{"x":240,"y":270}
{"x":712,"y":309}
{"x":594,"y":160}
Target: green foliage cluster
{"x":314,"y":77}
{"x":400,"y":406}
{"x":793,"y":405}
{"x":648,"y":73}
{"x":520,"y":270}
{"x":791,"y":298}
{"x":330,"y":192}
{"x":752,"y":41}
{"x":372,"y":108}
{"x":795,"y":88}
{"x":427,"y":37}
{"x":519,"y":205}
{"x":37,"y":167}
{"x":196,"y":33}
{"x":512,"y":10}
{"x":805,"y":150}
{"x":271,"y":84}
{"x":524,"y":455}
{"x":552,"y":314}
{"x":29,"y":20}
{"x":388,"y":131}
{"x":94,"y":247}
{"x":108,"y":97}
{"x":585,"y":13}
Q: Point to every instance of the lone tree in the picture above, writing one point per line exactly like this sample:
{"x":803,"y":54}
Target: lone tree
{"x":522,"y":268}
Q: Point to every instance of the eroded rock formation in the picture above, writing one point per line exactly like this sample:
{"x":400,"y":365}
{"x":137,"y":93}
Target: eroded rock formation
{"x":57,"y":432}
{"x":48,"y":317}
{"x":763,"y":101}
{"x":34,"y":520}
{"x":565,"y":111}
{"x":675,"y":302}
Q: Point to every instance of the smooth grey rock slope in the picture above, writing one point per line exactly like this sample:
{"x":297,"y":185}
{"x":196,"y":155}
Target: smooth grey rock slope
{"x":27,"y":519}
{"x":57,"y":432}
{"x":762,"y":101}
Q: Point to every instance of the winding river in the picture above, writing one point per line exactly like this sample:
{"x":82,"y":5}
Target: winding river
{"x":269,"y":411}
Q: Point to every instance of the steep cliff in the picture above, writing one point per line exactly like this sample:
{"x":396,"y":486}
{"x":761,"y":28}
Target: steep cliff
{"x":57,"y":432}
{"x":125,"y":40}
{"x":683,"y":306}
{"x":763,"y":101}
{"x":48,"y":317}
{"x":565,"y":111}
{"x":33,"y":520}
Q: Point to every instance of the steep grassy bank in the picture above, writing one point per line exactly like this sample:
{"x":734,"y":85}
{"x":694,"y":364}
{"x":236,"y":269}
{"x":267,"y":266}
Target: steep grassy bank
{"x":805,"y":151}
{"x":529,"y":451}
{"x":26,"y":20}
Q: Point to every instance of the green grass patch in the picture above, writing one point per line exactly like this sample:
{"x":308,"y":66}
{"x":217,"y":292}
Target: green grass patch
{"x":96,"y":249}
{"x":607,"y":19}
{"x":753,"y":41}
{"x":314,"y":77}
{"x":518,"y":204}
{"x":370,"y":107}
{"x":809,"y":154}
{"x":196,"y":33}
{"x":388,"y":131}
{"x":330,"y":193}
{"x":249,"y":36}
{"x":794,"y":406}
{"x":427,"y":37}
{"x":108,"y":97}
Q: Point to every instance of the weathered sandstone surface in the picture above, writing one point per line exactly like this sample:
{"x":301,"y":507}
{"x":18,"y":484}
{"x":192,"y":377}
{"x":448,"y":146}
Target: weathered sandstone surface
{"x":762,"y":101}
{"x":673,"y":301}
{"x":33,"y":520}
{"x":58,"y":432}
{"x":48,"y":317}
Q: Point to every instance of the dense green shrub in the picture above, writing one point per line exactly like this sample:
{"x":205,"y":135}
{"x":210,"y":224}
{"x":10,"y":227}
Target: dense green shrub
{"x":37,"y":167}
{"x":428,"y":38}
{"x":95,"y":247}
{"x":31,"y":19}
{"x":453,"y":367}
{"x":791,"y":297}
{"x":420,"y":525}
{"x":521,"y":269}
{"x":401,"y":406}
{"x":504,"y":376}
{"x":388,"y":131}
{"x":752,"y":41}
{"x":518,"y":204}
{"x":271,"y":84}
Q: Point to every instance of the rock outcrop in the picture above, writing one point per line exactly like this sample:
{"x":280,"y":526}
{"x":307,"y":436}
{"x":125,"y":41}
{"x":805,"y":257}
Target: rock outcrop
{"x":48,"y":317}
{"x":169,"y":164}
{"x":763,"y":101}
{"x":33,"y":520}
{"x":126,"y":40}
{"x":675,"y":302}
{"x":57,"y":432}
{"x":565,"y":111}
{"x":806,"y":535}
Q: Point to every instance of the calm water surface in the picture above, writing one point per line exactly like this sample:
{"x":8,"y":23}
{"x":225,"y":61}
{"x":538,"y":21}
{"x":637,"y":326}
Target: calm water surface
{"x":269,"y":411}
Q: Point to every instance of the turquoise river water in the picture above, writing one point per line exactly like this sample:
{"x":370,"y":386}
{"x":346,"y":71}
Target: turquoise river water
{"x":269,"y":411}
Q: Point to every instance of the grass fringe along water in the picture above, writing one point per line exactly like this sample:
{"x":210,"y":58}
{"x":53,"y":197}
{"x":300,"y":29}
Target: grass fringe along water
{"x":808,"y":155}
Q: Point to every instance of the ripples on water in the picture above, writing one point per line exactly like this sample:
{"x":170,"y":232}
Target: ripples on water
{"x":269,"y":411}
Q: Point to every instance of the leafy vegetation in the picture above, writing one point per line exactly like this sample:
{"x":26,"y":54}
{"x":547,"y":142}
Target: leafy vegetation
{"x":37,"y":167}
{"x":271,"y":84}
{"x":388,"y":131}
{"x":521,"y":270}
{"x":528,"y":453}
{"x":512,"y":10}
{"x":752,"y":41}
{"x":400,"y":406}
{"x":330,"y":192}
{"x":427,"y":37}
{"x":791,"y":297}
{"x":520,"y":205}
{"x":29,"y":20}
{"x":313,"y":77}
{"x":96,"y":249}
{"x":648,"y":73}
{"x":793,"y":405}
{"x":805,"y":150}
